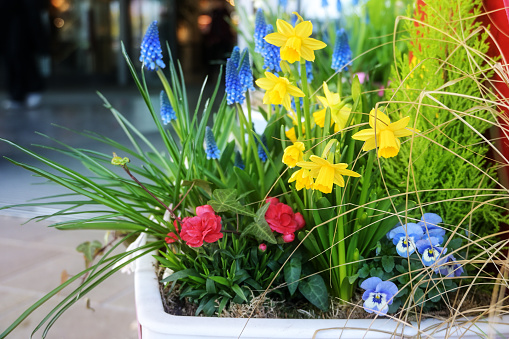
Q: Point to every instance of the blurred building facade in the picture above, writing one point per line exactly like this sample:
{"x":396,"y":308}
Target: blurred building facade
{"x":86,"y":35}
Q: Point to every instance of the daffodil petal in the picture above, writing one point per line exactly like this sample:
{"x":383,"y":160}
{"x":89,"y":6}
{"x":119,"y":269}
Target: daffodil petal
{"x":364,"y":135}
{"x":320,"y":117}
{"x":294,"y":91}
{"x":369,"y":145}
{"x":265,"y":83}
{"x":284,"y":28}
{"x":338,"y":180}
{"x":349,"y":173}
{"x":276,"y":39}
{"x":400,"y":124}
{"x":406,"y":132}
{"x":287,"y":103}
{"x":307,"y":53}
{"x":313,"y":43}
{"x":382,"y":120}
{"x":304,"y":29}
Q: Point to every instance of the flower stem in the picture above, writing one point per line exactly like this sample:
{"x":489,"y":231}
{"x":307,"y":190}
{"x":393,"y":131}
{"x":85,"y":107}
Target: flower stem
{"x":305,"y":89}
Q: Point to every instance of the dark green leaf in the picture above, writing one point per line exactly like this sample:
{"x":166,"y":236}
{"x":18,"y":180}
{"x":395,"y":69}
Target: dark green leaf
{"x":315,"y":291}
{"x":211,"y":286}
{"x":236,"y":288}
{"x":225,"y":200}
{"x":180,"y":275}
{"x":292,"y":270}
{"x":353,"y":278}
{"x":259,"y":228}
{"x":388,"y":263}
{"x":364,"y":271}
{"x":221,"y":280}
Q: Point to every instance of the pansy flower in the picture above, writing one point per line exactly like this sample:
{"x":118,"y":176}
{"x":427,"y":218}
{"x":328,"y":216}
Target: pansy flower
{"x":449,"y":267}
{"x":405,"y":238}
{"x":430,"y":250}
{"x":378,"y":295}
{"x":429,"y":226}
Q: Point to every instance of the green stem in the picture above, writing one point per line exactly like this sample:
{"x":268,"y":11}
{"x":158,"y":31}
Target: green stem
{"x":220,"y":171}
{"x":307,"y":115}
{"x":252,"y":144}
{"x":171,"y":97}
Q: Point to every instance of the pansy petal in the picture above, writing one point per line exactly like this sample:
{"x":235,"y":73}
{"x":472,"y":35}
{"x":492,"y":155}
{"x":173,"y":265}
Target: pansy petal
{"x":371,"y":283}
{"x":431,"y":218}
{"x":387,"y":287}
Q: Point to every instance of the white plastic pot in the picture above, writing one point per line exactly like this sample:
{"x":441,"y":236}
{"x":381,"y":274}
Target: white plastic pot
{"x":156,"y":324}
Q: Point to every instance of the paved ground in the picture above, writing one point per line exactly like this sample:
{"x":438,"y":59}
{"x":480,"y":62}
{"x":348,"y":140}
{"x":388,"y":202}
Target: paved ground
{"x":33,"y":256}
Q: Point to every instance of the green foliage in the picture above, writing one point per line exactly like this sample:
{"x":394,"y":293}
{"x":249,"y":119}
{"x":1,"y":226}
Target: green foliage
{"x":440,"y":88}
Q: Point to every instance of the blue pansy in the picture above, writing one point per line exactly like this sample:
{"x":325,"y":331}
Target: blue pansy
{"x":405,"y":238}
{"x":233,"y":87}
{"x":210,"y":145}
{"x":245,"y":73}
{"x":151,"y":54}
{"x":342,"y":55}
{"x":429,"y":226}
{"x":270,"y":53}
{"x":261,"y":149}
{"x":167,"y":112}
{"x":238,"y":161}
{"x":449,"y":267}
{"x":259,"y":31}
{"x":378,"y":295}
{"x":430,"y":250}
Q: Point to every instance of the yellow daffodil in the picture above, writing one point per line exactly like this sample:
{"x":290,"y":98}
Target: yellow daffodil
{"x":325,"y":173}
{"x":339,"y":116}
{"x":278,"y":90}
{"x":302,"y":179}
{"x":384,"y":134}
{"x":293,"y":154}
{"x":295,"y":42}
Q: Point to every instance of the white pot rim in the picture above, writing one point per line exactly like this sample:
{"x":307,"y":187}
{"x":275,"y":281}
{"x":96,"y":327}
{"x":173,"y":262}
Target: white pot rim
{"x":156,"y":324}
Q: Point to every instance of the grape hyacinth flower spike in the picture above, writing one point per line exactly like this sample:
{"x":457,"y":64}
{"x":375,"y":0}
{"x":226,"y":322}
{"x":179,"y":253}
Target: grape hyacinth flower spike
{"x":342,"y":55}
{"x":167,"y":112}
{"x":210,"y":145}
{"x":245,"y":73}
{"x":260,"y":31}
{"x":233,"y":86}
{"x":261,"y":151}
{"x":151,"y":53}
{"x":378,"y":295}
{"x":270,"y":53}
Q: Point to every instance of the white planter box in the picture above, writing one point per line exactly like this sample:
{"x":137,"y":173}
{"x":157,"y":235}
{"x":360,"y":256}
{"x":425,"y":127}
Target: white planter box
{"x":156,"y":324}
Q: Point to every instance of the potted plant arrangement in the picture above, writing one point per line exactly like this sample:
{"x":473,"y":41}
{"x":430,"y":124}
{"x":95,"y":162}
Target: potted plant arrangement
{"x":352,"y":213}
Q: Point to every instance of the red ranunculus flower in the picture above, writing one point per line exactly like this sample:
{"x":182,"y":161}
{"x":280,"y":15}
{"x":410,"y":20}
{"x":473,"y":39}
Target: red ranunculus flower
{"x":281,"y":218}
{"x":206,"y":226}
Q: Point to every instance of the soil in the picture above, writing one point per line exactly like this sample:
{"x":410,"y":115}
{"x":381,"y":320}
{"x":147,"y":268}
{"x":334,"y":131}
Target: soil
{"x":477,"y":303}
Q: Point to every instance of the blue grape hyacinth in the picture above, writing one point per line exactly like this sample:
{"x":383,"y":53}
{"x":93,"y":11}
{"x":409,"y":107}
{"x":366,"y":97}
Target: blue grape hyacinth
{"x":245,"y":73}
{"x":325,"y":3}
{"x":210,"y":145}
{"x":261,"y":151}
{"x":259,"y":31}
{"x":233,"y":86}
{"x":270,"y":53}
{"x":151,"y":53}
{"x":167,"y":112}
{"x":342,"y":54}
{"x":378,"y":295}
{"x":339,"y":7}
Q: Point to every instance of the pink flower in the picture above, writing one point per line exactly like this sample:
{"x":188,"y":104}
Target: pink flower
{"x":206,"y":226}
{"x":289,"y":237}
{"x":281,"y":218}
{"x":262,"y":247}
{"x":171,"y":238}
